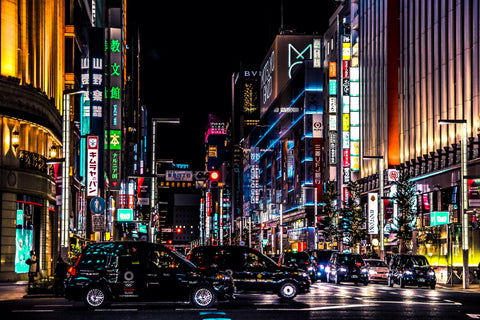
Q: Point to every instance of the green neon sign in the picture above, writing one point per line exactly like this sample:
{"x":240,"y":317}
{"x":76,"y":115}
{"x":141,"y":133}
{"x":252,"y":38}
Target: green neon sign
{"x":125,"y":215}
{"x":438,"y":218}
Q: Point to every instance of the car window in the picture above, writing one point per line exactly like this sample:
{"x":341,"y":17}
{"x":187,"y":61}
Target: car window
{"x":376,"y":263}
{"x":254,"y":261}
{"x":419,"y":261}
{"x":182,"y":258}
{"x":349,"y":260}
{"x":164,"y":259}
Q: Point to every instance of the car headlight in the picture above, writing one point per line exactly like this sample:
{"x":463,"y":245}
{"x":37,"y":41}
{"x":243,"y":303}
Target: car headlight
{"x":303,"y":274}
{"x":408,"y":272}
{"x":327,"y":269}
{"x":431,"y":273}
{"x":343,"y":269}
{"x":322,"y":266}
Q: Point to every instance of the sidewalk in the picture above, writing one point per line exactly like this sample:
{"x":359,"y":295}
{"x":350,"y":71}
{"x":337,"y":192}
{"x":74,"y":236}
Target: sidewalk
{"x":475,"y":287}
{"x":19,"y":289}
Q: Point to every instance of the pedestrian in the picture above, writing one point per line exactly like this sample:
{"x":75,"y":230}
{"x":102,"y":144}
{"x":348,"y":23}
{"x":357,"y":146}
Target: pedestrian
{"x":60,"y":275}
{"x":33,"y":269}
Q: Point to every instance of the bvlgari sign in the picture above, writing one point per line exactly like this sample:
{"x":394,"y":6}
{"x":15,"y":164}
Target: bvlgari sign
{"x":286,"y":54}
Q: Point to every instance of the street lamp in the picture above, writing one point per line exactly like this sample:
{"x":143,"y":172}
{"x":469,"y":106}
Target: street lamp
{"x":65,"y":213}
{"x":153,"y":197}
{"x":315,"y":213}
{"x":381,"y":204}
{"x":464,"y":206}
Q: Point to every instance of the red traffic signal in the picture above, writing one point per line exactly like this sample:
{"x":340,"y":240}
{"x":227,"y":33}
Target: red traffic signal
{"x":214,"y":175}
{"x":262,"y":225}
{"x":179,"y":230}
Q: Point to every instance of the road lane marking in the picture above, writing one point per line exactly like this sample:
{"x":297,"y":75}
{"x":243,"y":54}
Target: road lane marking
{"x":33,"y":310}
{"x":412,"y":302}
{"x":343,"y":306}
{"x":118,"y":310}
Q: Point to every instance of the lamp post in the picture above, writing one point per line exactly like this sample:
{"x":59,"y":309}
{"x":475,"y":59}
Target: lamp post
{"x":315,"y":213}
{"x":463,"y":181}
{"x":153,"y":194}
{"x":65,"y":213}
{"x":381,"y":203}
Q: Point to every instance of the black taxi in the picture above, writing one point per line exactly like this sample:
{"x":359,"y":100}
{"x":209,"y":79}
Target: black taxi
{"x":145,"y":271}
{"x":252,"y":271}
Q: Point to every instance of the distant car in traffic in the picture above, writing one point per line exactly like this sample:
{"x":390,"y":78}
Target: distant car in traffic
{"x":126,"y":270}
{"x":300,"y":260}
{"x":347,"y":267}
{"x":252,"y":271}
{"x":321,"y":257}
{"x":377,"y":270}
{"x":408,"y":269}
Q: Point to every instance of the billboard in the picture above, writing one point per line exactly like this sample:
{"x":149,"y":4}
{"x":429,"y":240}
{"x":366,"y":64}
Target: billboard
{"x":286,"y":54}
{"x":373,"y":213}
{"x":92,"y":166}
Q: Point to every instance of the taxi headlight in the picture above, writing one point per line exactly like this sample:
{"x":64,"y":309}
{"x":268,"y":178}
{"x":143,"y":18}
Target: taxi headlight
{"x":303,"y":274}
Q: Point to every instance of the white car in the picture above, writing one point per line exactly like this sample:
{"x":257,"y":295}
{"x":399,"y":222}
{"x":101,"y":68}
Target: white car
{"x":377,"y":270}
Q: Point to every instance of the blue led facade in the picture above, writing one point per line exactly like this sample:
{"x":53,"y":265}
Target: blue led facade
{"x":284,"y":139}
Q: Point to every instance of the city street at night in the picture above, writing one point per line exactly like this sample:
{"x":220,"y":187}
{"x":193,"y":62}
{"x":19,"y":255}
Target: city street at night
{"x":325,"y":301}
{"x":239,"y":160}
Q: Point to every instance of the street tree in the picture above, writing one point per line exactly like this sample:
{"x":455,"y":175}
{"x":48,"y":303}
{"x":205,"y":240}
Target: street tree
{"x":407,"y":212}
{"x":329,"y":221}
{"x":353,"y":221}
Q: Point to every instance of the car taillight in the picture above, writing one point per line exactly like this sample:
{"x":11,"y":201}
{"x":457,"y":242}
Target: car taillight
{"x":73,"y":269}
{"x":71,"y":272}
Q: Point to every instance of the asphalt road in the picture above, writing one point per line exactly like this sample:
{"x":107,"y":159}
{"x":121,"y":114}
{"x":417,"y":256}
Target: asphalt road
{"x":325,"y":301}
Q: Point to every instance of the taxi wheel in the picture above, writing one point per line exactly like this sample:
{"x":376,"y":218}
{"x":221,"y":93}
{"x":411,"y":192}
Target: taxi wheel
{"x":203,"y":297}
{"x":288,"y":290}
{"x":95,"y":297}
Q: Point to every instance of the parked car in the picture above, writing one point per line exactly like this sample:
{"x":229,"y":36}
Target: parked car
{"x":139,"y":270}
{"x":377,"y":270}
{"x":407,"y":269}
{"x":347,"y":267}
{"x":300,"y":260}
{"x":251,"y":270}
{"x":321,"y":257}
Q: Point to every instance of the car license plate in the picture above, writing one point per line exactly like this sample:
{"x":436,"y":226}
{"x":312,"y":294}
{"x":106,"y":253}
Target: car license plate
{"x":354,"y":276}
{"x":421,"y":280}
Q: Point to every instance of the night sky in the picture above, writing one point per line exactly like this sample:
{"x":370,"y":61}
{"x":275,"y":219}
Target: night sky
{"x":189,"y":51}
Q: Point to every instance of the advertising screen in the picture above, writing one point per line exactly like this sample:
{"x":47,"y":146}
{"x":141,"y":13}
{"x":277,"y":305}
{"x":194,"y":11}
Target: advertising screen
{"x":286,"y":54}
{"x":22,"y":250}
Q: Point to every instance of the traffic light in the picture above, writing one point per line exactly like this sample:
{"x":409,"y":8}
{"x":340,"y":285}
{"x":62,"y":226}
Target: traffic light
{"x":202,"y":175}
{"x":213,"y":177}
{"x":475,"y":217}
{"x":179,"y":230}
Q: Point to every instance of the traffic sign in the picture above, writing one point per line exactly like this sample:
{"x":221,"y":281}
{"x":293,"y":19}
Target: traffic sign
{"x":97,"y":205}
